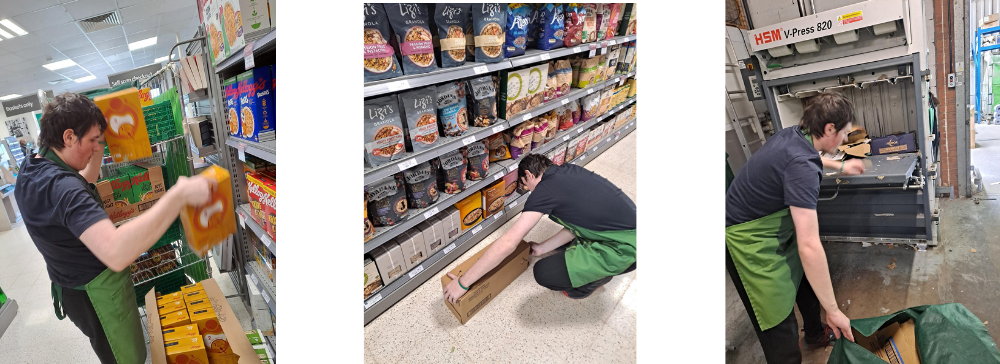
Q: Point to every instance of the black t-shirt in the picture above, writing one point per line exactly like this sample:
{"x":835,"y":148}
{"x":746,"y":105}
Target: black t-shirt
{"x":57,"y":209}
{"x":583,"y":198}
{"x":785,"y":172}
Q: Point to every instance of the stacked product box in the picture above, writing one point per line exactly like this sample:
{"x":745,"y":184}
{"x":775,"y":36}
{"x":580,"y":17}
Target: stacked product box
{"x":263,"y":201}
{"x":126,"y":135}
{"x":256,"y":104}
{"x":231,"y":91}
{"x":264,"y":258}
{"x":131,"y":191}
{"x":153,"y":263}
{"x":188,"y":328}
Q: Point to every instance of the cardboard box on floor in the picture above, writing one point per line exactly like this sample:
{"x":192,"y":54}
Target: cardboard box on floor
{"x":895,"y":344}
{"x":489,"y":286}
{"x":230,"y":325}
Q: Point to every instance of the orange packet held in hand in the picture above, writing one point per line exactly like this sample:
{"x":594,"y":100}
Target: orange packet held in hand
{"x":209,"y":225}
{"x":126,"y":135}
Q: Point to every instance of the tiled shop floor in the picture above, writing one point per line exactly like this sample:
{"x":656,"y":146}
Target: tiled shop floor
{"x":36,"y":335}
{"x":526,"y":323}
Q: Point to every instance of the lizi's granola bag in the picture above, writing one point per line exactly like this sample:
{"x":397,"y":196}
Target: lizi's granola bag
{"x":380,"y":56}
{"x":413,"y":33}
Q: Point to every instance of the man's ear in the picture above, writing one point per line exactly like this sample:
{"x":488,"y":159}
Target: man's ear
{"x":68,"y":137}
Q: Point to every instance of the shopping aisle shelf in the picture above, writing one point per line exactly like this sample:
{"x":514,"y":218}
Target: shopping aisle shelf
{"x":265,"y":44}
{"x":263,"y":150}
{"x":246,"y":215}
{"x":263,"y":285}
{"x":574,"y":94}
{"x":404,"y":83}
{"x":446,"y":145}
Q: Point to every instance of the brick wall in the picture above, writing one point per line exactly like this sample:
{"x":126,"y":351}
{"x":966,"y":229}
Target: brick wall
{"x":943,"y":35}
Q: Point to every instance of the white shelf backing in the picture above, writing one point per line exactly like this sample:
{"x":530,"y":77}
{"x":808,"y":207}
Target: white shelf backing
{"x":382,"y":87}
{"x":416,"y":216}
{"x":389,"y":295}
{"x":263,"y":150}
{"x":445,"y":145}
{"x":263,"y":285}
{"x":246,"y":213}
{"x":402,"y":286}
{"x":266,"y":43}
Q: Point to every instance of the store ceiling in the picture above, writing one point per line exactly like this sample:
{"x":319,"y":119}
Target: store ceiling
{"x":55,"y":34}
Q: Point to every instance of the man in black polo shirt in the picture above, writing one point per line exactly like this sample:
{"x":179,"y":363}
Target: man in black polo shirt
{"x":86,"y":256}
{"x":773,"y":254}
{"x":599,"y":225}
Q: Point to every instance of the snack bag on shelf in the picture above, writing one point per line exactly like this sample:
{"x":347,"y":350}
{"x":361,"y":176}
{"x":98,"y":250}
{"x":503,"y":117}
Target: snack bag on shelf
{"x":488,"y":23}
{"x":126,"y":135}
{"x":208,"y":225}
{"x":471,"y":209}
{"x":369,"y":228}
{"x":451,"y":20}
{"x":380,"y":56}
{"x":387,"y":203}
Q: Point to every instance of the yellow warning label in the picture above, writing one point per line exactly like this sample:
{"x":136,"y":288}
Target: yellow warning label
{"x":850,"y":17}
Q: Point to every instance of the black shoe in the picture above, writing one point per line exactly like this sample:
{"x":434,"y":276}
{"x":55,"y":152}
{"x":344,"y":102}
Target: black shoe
{"x":589,"y":288}
{"x":828,"y":337}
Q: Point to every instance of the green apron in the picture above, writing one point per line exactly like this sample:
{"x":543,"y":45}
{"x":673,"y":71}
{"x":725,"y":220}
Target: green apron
{"x":112,"y":295}
{"x":597,"y":254}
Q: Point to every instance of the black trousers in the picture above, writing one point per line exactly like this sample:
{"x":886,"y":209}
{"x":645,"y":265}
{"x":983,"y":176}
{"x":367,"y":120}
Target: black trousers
{"x":78,"y":308}
{"x":551,"y":273}
{"x":781,"y":343}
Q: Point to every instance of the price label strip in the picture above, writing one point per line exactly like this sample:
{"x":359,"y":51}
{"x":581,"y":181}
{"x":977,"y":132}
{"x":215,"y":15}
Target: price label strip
{"x":417,"y":270}
{"x":480,"y":70}
{"x":526,"y":117}
{"x":449,"y":248}
{"x":497,"y":129}
{"x":241,"y":151}
{"x":498,"y":215}
{"x":248,"y":56}
{"x":430,"y":213}
{"x":266,"y":297}
{"x":565,"y":101}
{"x":243,"y":222}
{"x":399,"y":85}
{"x":407,"y":164}
{"x":565,"y":138}
{"x":253,"y":277}
{"x":469,"y":140}
{"x":371,"y":302}
{"x":512,"y":205}
{"x":477,"y":229}
{"x":546,"y":56}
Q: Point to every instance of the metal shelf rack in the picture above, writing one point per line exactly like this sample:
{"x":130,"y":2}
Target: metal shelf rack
{"x":246,"y":218}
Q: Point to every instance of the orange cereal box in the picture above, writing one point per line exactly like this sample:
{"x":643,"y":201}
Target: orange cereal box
{"x":209,"y":225}
{"x":187,"y":351}
{"x":126,"y":134}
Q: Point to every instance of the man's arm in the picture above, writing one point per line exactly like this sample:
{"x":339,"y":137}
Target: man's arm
{"x":851,"y":167}
{"x":816,"y":268}
{"x":93,"y":169}
{"x":502,"y":247}
{"x":830,"y":163}
{"x":559,"y":239}
{"x":119,"y":247}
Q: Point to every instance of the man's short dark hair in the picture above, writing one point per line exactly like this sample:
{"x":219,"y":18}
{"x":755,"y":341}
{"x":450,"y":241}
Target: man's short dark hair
{"x":826,"y":108}
{"x":68,"y":111}
{"x":535,"y":163}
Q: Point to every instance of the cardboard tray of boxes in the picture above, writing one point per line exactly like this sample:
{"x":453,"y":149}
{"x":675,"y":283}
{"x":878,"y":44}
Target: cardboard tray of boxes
{"x":197,"y":324}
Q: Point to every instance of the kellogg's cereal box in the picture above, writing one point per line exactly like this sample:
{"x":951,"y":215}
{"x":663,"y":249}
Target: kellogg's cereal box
{"x":232,"y":92}
{"x":256,"y":105}
{"x":209,"y":225}
{"x":126,"y":134}
{"x":263,"y":202}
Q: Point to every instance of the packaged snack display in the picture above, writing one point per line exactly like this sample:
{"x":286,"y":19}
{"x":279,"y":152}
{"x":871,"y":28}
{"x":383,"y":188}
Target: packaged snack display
{"x":471,"y":209}
{"x":560,"y":154}
{"x":192,"y":288}
{"x":478,"y":159}
{"x":452,"y":170}
{"x":413,"y":247}
{"x":574,"y":109}
{"x":551,"y":29}
{"x":553,"y":127}
{"x":380,"y":56}
{"x":263,"y":193}
{"x":369,"y":228}
{"x":590,"y":19}
{"x":231,"y":91}
{"x":187,"y":351}
{"x":614,"y":53}
{"x":551,"y":84}
{"x":126,"y":135}
{"x":519,"y":139}
{"x":627,"y":25}
{"x":573,"y":21}
{"x":421,"y":117}
{"x":493,"y":198}
{"x":232,"y":26}
{"x":588,"y":74}
{"x":180,"y":332}
{"x":373,"y":281}
{"x":389,"y":260}
{"x":590,"y":105}
{"x":152,"y":263}
{"x":410,"y":24}
{"x":450,"y":103}
{"x":482,"y":101}
{"x":451,"y":20}
{"x":433,"y":234}
{"x":257,"y":121}
{"x":421,"y":185}
{"x":210,"y":17}
{"x":606,"y":95}
{"x":518,"y":17}
{"x":581,"y":144}
{"x":169,"y":297}
{"x":199,"y":304}
{"x":174,"y":319}
{"x":540,"y":128}
{"x":171,"y":306}
{"x":488,"y":22}
{"x":497,"y":147}
{"x":565,"y":117}
{"x":387,"y":203}
{"x":595,"y":136}
{"x":537,"y":77}
{"x":513,"y":96}
{"x":564,"y":77}
{"x":615,"y":11}
{"x":212,"y":223}
{"x":534,"y":24}
{"x":510,"y":184}
{"x":451,"y":224}
{"x":631,"y":88}
{"x":383,"y":131}
{"x":202,"y":318}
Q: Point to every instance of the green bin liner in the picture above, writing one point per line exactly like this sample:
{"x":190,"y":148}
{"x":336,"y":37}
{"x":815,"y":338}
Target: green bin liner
{"x":947,"y":333}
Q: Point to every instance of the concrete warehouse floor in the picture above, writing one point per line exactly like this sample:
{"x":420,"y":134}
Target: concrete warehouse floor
{"x":963,"y":268}
{"x":985,"y":156}
{"x":526,"y":323}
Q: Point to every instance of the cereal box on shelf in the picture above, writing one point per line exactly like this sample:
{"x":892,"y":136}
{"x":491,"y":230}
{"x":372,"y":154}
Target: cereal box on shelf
{"x":263,"y":202}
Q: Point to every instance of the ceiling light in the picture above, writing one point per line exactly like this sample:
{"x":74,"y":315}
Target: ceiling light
{"x":10,"y":25}
{"x":8,"y":97}
{"x":142,"y":44}
{"x":5,"y":34}
{"x":59,"y":65}
{"x":85,"y":79}
{"x":161,"y":59}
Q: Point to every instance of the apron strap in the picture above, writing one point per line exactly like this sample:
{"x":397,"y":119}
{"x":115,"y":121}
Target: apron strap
{"x":57,"y":301}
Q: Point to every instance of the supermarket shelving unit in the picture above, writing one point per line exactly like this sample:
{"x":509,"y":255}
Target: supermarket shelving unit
{"x":388,"y":295}
{"x":231,"y":157}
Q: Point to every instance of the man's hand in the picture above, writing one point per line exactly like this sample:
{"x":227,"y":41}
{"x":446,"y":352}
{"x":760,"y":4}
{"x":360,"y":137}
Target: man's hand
{"x":840,"y":324}
{"x":854,"y":166}
{"x":195,"y":191}
{"x":453,"y":291}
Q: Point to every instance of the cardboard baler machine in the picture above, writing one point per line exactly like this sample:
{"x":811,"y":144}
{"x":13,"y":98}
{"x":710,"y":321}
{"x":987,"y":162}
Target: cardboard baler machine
{"x":874,"y":53}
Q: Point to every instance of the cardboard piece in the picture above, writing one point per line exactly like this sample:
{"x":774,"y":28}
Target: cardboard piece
{"x":451,"y":224}
{"x":433,"y":234}
{"x":230,"y":326}
{"x":490,"y":285}
{"x":859,"y":150}
{"x":892,"y":144}
{"x":414,"y":248}
{"x":389,"y":260}
{"x":895,"y":343}
{"x":373,"y":281}
{"x":857,"y":134}
{"x":119,"y":210}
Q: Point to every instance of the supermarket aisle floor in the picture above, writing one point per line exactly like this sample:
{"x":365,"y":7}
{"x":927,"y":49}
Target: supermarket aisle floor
{"x":36,"y":335}
{"x":526,"y":323}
